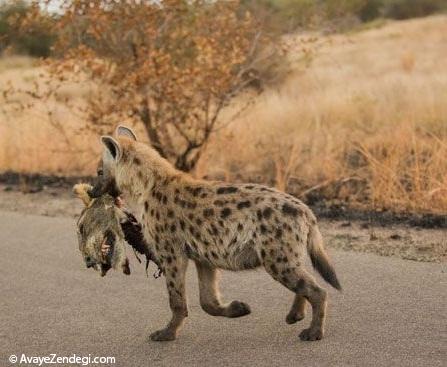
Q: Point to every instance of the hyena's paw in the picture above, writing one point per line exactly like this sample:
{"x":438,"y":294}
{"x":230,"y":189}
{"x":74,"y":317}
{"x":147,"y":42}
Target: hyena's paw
{"x":163,"y":335}
{"x":292,"y":318}
{"x":311,"y":334}
{"x":237,"y":309}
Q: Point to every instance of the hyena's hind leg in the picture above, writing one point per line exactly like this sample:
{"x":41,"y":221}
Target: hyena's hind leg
{"x":295,"y":278}
{"x":297,"y":311}
{"x":210,"y":297}
{"x":175,"y":272}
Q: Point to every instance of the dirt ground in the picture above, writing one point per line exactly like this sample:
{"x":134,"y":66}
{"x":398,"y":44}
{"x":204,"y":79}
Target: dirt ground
{"x":399,"y":240}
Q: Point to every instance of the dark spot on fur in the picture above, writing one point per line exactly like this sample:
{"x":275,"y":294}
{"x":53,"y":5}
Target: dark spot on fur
{"x":146,"y":206}
{"x":137,"y":161}
{"x":267,"y":213}
{"x":263,"y":253}
{"x":226,"y":190}
{"x":208,"y":212}
{"x":194,"y":191}
{"x":182,"y":225}
{"x":274,"y":269}
{"x":214,"y":255}
{"x":173,"y":228}
{"x":225,"y":213}
{"x":240,"y":227}
{"x":249,"y":187}
{"x":170,"y":213}
{"x":263,"y":228}
{"x":199,"y":221}
{"x":219,"y":203}
{"x":278,"y":233}
{"x":289,"y":210}
{"x":214,"y":230}
{"x":243,"y":204}
{"x":259,"y":214}
{"x":169,"y":259}
{"x":171,"y":284}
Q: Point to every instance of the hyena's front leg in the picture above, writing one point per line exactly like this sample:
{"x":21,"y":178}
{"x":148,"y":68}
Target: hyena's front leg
{"x":175,"y":270}
{"x":210,"y":297}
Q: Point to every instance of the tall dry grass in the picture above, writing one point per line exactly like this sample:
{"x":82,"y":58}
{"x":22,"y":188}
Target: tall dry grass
{"x":364,"y":124}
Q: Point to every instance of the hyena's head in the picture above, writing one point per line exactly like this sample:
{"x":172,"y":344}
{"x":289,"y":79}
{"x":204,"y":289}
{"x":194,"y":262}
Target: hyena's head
{"x":129,"y":166}
{"x":99,"y":224}
{"x":111,"y":164}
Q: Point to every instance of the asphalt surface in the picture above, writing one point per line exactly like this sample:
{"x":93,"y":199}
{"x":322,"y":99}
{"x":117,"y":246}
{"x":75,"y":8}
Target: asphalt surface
{"x":392,"y":312}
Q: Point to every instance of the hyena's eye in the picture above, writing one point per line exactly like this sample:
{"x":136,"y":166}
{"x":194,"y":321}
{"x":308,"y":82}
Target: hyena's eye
{"x":100,"y":172}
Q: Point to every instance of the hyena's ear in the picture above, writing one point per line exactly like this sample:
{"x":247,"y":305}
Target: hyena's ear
{"x":81,"y":191}
{"x":112,"y":151}
{"x":125,"y":131}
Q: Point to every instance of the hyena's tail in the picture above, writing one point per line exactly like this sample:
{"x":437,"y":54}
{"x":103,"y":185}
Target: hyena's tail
{"x":319,"y":258}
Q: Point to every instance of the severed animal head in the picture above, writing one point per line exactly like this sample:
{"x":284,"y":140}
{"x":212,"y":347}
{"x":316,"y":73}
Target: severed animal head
{"x":98,"y":224}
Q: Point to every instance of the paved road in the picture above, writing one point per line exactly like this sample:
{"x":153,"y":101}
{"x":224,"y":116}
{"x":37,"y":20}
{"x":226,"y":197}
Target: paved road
{"x":392,"y":312}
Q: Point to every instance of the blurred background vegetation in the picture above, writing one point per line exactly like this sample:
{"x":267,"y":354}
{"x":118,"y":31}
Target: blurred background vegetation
{"x":344,"y":104}
{"x":284,"y":16}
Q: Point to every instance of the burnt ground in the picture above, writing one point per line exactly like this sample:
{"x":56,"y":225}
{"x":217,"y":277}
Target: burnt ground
{"x":412,"y":237}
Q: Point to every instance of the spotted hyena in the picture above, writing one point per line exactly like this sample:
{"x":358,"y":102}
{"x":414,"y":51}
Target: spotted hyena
{"x":218,"y":226}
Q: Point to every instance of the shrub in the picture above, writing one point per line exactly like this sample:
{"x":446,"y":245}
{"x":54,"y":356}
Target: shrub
{"x":169,"y":68}
{"x":404,"y":9}
{"x":36,"y":40}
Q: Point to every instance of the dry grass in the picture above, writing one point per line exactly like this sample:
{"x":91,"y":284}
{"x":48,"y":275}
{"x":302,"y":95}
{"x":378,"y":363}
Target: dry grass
{"x":366,"y":124}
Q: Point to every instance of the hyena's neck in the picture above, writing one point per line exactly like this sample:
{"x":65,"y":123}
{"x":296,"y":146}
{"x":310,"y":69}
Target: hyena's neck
{"x":145,"y":174}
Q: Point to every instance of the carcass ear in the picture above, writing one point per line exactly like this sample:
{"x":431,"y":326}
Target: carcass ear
{"x":112,"y":149}
{"x":125,"y":131}
{"x":82,"y":192}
